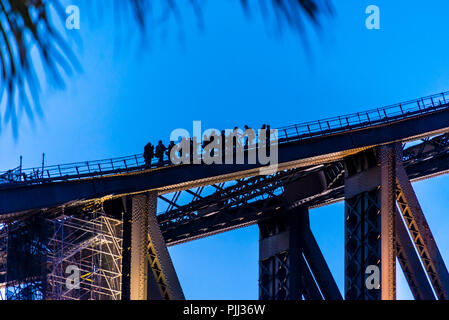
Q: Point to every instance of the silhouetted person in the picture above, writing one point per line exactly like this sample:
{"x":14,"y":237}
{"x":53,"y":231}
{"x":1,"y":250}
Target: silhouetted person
{"x":268,"y":140}
{"x":207,"y":140}
{"x":223,"y":145}
{"x":191,"y":146}
{"x":236,"y":141}
{"x":263,"y":129}
{"x":160,"y":149}
{"x":170,"y":147}
{"x":148,"y":153}
{"x":246,"y":141}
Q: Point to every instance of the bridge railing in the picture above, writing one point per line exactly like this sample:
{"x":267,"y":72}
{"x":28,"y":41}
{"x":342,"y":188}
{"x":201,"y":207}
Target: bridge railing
{"x":363,"y":119}
{"x":81,"y":170}
{"x":77,"y":170}
{"x":88,"y":168}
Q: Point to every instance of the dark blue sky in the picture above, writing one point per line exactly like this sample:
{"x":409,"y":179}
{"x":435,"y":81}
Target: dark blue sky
{"x":233,"y":72}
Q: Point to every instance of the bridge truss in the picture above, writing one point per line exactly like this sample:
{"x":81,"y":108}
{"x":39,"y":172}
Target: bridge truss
{"x":119,"y":243}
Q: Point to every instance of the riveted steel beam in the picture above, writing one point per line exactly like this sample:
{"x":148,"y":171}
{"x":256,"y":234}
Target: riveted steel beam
{"x":421,"y":234}
{"x":387,"y":156}
{"x":291,"y":264}
{"x":278,"y":279}
{"x":362,"y":243}
{"x":318,"y":266}
{"x":139,"y":247}
{"x":151,"y":274}
{"x":410,"y":263}
{"x":227,"y":209}
{"x":280,"y":267}
{"x":362,"y":224}
{"x":126,"y":248}
{"x":310,"y":287}
{"x":369,"y":224}
{"x":161,"y":265}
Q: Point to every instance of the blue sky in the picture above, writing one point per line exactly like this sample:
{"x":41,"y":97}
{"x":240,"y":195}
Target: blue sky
{"x":237,"y":71}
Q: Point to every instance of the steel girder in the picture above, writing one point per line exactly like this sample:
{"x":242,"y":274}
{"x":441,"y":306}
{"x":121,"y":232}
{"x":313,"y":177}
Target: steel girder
{"x":148,"y":272}
{"x":363,"y":224}
{"x":126,"y":249}
{"x":164,"y":274}
{"x":273,"y":280}
{"x":281,"y":270}
{"x":240,"y":193}
{"x":244,"y":190}
{"x":318,"y":265}
{"x":139,"y":246}
{"x":291,"y":266}
{"x":238,"y":209}
{"x":230,"y":205}
{"x":387,"y":155}
{"x":429,"y":147}
{"x":362,"y":243}
{"x":385,"y":232}
{"x":236,"y":206}
{"x":185,"y":222}
{"x":410,"y":262}
{"x":421,"y":234}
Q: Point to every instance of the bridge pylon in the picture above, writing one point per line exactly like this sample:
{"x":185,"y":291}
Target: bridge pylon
{"x":148,"y":271}
{"x":377,"y":233}
{"x":291,"y":266}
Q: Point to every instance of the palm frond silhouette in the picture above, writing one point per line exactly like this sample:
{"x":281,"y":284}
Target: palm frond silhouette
{"x":29,"y":37}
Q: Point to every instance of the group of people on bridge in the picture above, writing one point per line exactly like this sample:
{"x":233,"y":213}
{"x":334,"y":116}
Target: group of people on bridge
{"x":151,"y":152}
{"x":160,"y":150}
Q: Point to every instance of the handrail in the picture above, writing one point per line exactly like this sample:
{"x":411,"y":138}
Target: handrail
{"x":297,"y":132}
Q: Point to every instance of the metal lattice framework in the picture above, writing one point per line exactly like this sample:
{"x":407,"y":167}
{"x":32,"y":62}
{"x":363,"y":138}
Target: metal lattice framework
{"x":258,"y":197}
{"x":26,"y":259}
{"x":421,"y":235}
{"x":121,"y":252}
{"x":3,"y":259}
{"x":273,"y":274}
{"x":291,"y":266}
{"x":94,"y":247}
{"x":362,"y":242}
{"x":245,"y":201}
{"x":297,"y":132}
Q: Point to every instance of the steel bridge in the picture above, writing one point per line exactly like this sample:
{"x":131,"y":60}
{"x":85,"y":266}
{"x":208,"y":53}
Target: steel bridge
{"x":113,"y":219}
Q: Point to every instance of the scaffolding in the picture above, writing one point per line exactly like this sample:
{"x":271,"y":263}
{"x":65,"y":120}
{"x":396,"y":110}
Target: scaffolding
{"x":3,"y":259}
{"x":41,"y":258}
{"x":91,"y":249}
{"x":26,"y":259}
